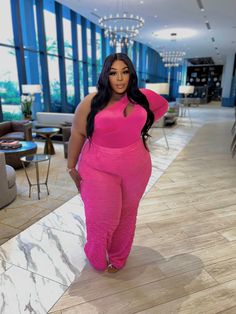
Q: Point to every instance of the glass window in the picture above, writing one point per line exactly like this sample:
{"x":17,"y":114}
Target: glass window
{"x":89,"y":47}
{"x":130,"y":52}
{"x":137,"y":57}
{"x":108,"y":47}
{"x":118,"y":47}
{"x":98,"y":49}
{"x":70,"y":84}
{"x":6,"y":31}
{"x":81,"y":80}
{"x":89,"y":55}
{"x":67,"y":33}
{"x":28,"y":21}
{"x":50,"y":28}
{"x":98,"y":53}
{"x":147,"y":59}
{"x":79,"y":34}
{"x":33,"y":73}
{"x":90,"y":81}
{"x":54,"y":79}
{"x":9,"y":87}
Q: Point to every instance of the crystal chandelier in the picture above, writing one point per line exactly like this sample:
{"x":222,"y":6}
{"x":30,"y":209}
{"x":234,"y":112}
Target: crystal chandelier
{"x":121,"y":28}
{"x":172,"y":58}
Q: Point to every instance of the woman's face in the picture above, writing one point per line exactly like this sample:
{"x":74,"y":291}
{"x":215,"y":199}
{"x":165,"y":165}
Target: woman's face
{"x":119,"y":77}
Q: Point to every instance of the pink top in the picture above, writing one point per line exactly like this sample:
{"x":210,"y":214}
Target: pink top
{"x":113,"y":129}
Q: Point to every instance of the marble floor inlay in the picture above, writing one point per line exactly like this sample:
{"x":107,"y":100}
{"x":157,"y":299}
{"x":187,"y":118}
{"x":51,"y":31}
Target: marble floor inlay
{"x":22,"y":291}
{"x":48,"y":256}
{"x":47,"y":252}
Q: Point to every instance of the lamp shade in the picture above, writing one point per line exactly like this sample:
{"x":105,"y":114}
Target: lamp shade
{"x":31,"y":89}
{"x":92,"y":89}
{"x":186,"y":89}
{"x":160,"y":88}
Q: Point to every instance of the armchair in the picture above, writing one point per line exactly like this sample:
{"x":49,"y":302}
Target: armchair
{"x":8,"y":182}
{"x":16,"y":130}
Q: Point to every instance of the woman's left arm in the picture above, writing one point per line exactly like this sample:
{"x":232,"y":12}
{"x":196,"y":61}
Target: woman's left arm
{"x":158,"y":104}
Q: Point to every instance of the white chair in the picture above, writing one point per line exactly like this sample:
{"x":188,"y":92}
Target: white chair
{"x":184,"y":103}
{"x":162,"y":89}
{"x":161,"y":124}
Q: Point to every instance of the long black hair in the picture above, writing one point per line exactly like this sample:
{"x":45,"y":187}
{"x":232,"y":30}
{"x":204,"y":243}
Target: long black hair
{"x":101,"y":99}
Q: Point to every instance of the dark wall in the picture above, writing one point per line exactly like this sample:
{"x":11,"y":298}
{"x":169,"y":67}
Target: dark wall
{"x":207,"y":81}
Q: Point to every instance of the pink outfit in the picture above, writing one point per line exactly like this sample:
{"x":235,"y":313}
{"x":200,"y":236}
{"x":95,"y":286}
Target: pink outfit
{"x":115,"y":168}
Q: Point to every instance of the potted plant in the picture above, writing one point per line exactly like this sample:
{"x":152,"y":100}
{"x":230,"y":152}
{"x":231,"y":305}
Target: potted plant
{"x":26,"y":105}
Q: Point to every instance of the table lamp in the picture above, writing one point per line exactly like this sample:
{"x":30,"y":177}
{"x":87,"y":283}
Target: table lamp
{"x":186,"y":89}
{"x":160,"y":88}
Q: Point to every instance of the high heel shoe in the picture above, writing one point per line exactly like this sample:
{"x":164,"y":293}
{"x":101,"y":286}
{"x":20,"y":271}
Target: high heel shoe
{"x":111,"y":269}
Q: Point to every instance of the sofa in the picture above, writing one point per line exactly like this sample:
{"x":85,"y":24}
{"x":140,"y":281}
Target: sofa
{"x":16,"y":130}
{"x":66,"y":131}
{"x":8,"y":183}
{"x":53,"y":119}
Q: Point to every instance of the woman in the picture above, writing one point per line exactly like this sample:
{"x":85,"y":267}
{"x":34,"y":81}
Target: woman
{"x":108,"y":140}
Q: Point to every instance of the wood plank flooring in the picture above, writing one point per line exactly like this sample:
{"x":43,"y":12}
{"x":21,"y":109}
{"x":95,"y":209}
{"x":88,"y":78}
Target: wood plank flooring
{"x":184,"y":254}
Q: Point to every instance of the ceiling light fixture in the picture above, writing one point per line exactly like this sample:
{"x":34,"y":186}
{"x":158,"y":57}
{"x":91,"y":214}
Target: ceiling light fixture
{"x":200,"y":5}
{"x":181,"y":33}
{"x":121,"y":28}
{"x":172,"y":58}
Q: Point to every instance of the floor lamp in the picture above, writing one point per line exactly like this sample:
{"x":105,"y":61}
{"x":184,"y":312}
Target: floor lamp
{"x":186,"y":90}
{"x":162,"y":89}
{"x":92,"y":89}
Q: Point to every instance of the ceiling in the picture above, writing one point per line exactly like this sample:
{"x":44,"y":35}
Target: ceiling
{"x":215,"y":26}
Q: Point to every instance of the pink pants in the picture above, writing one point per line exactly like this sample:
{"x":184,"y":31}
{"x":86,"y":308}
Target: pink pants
{"x":113,"y":182}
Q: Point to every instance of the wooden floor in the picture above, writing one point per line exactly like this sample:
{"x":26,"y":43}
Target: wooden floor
{"x":184,"y":254}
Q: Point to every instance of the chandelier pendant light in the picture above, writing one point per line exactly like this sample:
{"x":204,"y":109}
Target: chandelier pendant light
{"x":121,"y":28}
{"x":172,"y":58}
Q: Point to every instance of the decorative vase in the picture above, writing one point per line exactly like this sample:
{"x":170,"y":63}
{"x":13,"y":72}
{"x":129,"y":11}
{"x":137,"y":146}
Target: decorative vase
{"x":27,"y":117}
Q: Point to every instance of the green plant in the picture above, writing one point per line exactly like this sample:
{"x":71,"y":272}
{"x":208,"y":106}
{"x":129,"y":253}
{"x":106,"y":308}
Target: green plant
{"x":26,"y":104}
{"x":171,"y":110}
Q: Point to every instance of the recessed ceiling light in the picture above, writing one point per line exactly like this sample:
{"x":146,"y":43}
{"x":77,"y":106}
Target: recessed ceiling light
{"x":141,"y":2}
{"x":200,"y":5}
{"x":95,"y":9}
{"x":155,"y":16}
{"x":180,"y":33}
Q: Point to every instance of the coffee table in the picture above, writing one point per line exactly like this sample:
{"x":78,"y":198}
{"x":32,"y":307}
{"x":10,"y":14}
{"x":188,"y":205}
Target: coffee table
{"x":13,"y":155}
{"x":47,"y":133}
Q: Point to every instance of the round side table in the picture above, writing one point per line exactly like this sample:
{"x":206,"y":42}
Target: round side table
{"x":47,"y":133}
{"x":36,"y":159}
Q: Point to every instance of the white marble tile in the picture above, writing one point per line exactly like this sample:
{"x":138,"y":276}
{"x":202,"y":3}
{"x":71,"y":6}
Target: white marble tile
{"x":22,"y":291}
{"x":48,"y":252}
{"x":76,"y":199}
{"x":69,"y":218}
{"x":3,"y":266}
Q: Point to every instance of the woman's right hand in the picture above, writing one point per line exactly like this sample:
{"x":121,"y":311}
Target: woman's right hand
{"x":75,"y":177}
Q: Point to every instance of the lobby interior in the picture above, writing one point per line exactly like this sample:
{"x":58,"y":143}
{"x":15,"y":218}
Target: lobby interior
{"x":183,"y":258}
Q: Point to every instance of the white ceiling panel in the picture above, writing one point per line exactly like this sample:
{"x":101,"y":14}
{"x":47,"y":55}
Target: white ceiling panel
{"x":220,"y":14}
